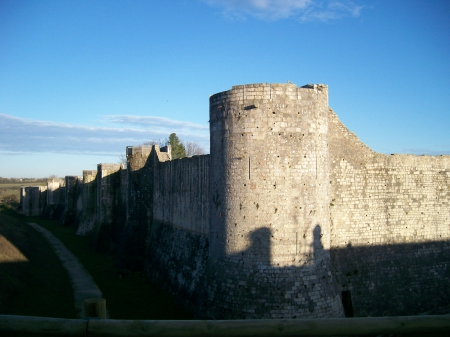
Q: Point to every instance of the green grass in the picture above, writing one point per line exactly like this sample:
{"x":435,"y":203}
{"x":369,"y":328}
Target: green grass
{"x":40,"y":287}
{"x":32,"y":280}
{"x":128,"y":295}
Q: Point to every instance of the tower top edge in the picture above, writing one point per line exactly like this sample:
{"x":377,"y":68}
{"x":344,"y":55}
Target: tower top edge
{"x":287,"y":85}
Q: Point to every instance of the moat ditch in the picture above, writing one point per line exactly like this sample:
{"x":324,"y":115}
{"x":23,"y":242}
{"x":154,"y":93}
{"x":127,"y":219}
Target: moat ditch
{"x":37,"y":285}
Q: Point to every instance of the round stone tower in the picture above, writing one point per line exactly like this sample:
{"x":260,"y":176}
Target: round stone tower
{"x":269,"y":217}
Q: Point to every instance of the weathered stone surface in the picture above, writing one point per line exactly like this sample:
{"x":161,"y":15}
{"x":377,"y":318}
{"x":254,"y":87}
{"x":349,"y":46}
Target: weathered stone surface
{"x":89,"y":203}
{"x":290,"y":216}
{"x":33,"y":200}
{"x":390,"y":226}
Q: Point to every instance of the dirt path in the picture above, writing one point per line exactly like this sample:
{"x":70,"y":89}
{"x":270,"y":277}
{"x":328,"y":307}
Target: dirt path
{"x":83,"y":285}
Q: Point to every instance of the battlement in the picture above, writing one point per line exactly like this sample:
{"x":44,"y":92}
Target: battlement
{"x":143,"y":150}
{"x":108,"y":167}
{"x":267,"y":91}
{"x":89,"y":173}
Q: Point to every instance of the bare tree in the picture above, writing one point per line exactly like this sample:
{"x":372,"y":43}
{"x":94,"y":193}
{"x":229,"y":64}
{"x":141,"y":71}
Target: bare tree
{"x":194,"y":149}
{"x":159,"y":142}
{"x":122,"y":160}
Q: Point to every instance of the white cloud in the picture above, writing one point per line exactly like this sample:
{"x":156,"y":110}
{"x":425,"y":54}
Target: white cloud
{"x":332,"y":10}
{"x":272,"y":10}
{"x":20,"y":135}
{"x":155,"y":121}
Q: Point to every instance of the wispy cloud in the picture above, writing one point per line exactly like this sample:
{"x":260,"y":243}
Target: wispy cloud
{"x":158,"y":122}
{"x":21,"y":135}
{"x":303,"y":10}
{"x":329,"y":11}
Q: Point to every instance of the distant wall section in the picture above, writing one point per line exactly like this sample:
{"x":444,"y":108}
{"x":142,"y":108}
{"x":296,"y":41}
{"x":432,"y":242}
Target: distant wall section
{"x":33,"y":200}
{"x":89,"y":203}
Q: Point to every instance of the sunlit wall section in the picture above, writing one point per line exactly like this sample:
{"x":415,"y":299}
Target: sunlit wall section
{"x":390,"y":227}
{"x":270,"y":224}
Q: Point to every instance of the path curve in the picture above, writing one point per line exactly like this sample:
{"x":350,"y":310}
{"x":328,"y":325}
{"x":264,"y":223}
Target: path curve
{"x":83,"y":285}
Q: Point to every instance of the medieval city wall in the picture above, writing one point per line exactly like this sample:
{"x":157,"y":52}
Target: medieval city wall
{"x":139,"y":207}
{"x":110,"y":211}
{"x":290,"y":216}
{"x":177,"y":251}
{"x":33,"y":200}
{"x":390,"y":233}
{"x":181,"y":194}
{"x":56,"y":199}
{"x":55,"y":191}
{"x":89,"y":203}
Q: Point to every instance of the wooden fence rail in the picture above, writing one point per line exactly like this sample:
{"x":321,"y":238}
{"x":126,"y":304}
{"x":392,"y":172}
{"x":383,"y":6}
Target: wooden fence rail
{"x":438,"y":325}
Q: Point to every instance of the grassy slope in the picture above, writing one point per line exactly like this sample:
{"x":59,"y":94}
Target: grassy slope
{"x":128,"y":295}
{"x":32,"y":280}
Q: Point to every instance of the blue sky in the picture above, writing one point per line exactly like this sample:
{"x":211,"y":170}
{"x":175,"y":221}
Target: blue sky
{"x":81,"y":80}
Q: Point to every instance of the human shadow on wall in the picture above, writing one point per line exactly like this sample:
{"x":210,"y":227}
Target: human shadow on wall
{"x":261,"y":284}
{"x":395,"y":279}
{"x":258,"y":251}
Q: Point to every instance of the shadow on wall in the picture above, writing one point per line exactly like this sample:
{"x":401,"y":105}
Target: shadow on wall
{"x":134,"y":230}
{"x":397,"y":279}
{"x":260,"y":247}
{"x":249,"y":285}
{"x":384,"y":280}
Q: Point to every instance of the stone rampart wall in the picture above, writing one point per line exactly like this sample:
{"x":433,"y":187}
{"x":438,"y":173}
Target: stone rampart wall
{"x":290,"y":214}
{"x":89,"y":203}
{"x":110,"y":210}
{"x":33,"y":200}
{"x":55,"y":188}
{"x":181,"y":194}
{"x":177,"y":260}
{"x":390,"y":229}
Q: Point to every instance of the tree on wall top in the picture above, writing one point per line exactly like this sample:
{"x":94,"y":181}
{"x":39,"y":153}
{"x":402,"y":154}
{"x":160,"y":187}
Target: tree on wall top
{"x":178,"y":150}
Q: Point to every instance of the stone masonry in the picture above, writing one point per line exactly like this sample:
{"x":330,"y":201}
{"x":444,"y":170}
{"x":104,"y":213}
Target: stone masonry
{"x":289,"y":216}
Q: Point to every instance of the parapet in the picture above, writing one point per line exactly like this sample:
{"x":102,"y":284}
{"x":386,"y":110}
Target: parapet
{"x":109,"y":167}
{"x":144,"y":150}
{"x":164,"y":154}
{"x":89,"y":173}
{"x":266,"y":91}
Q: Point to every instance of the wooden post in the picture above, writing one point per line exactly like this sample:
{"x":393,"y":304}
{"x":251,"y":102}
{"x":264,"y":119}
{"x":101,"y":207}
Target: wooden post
{"x":95,"y":307}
